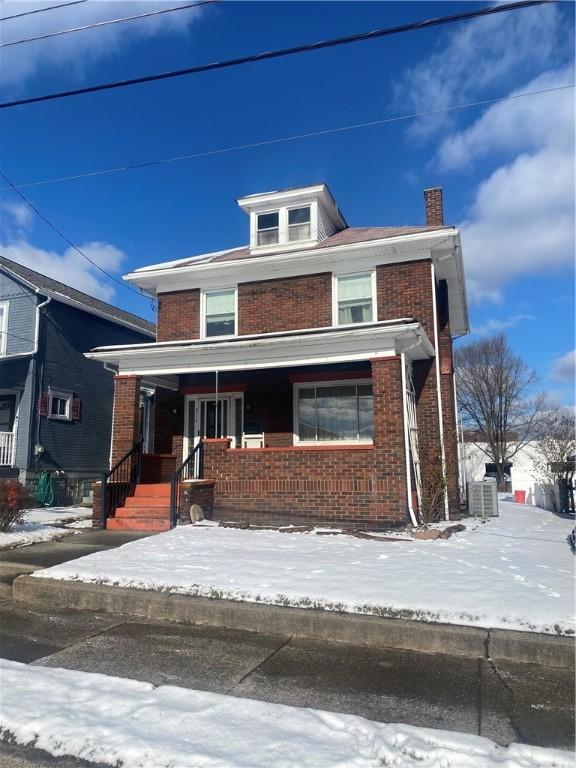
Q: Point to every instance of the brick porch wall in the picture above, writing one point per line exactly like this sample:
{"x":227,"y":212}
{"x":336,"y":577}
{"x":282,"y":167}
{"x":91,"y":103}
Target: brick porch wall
{"x":126,"y":415}
{"x":354,"y":485}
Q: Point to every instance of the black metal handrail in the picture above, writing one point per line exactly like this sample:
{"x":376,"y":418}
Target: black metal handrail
{"x":120,"y":481}
{"x":192,"y":468}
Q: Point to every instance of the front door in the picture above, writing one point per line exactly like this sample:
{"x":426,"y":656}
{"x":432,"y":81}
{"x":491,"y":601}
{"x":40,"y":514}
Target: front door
{"x":208,"y":416}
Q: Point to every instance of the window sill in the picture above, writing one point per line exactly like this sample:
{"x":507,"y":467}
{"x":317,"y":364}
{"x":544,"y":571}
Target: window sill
{"x":309,"y":447}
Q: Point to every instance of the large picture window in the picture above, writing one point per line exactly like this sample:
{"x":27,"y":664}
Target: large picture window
{"x":355,"y":299}
{"x":220,"y":313}
{"x":334,"y":413}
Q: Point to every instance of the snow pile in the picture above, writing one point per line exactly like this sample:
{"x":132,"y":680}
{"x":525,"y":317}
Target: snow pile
{"x":514,"y":572}
{"x":123,"y":722}
{"x":39,"y":525}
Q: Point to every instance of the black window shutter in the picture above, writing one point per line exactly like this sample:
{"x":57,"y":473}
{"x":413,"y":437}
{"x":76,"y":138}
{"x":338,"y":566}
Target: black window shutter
{"x":76,"y":408}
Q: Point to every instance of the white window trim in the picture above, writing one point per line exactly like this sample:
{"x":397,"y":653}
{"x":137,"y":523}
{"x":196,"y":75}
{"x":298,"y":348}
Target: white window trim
{"x":308,"y":385}
{"x":203,"y":295}
{"x":283,"y":227}
{"x":68,"y":397}
{"x":5,"y":306}
{"x":335,"y":278}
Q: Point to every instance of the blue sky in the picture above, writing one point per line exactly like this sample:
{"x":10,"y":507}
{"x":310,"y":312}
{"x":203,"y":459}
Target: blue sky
{"x":506,"y":169}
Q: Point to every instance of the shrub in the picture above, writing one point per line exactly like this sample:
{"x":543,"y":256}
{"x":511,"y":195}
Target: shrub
{"x":12,"y":502}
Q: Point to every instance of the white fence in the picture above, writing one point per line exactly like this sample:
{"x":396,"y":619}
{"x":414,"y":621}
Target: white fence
{"x":7,"y":449}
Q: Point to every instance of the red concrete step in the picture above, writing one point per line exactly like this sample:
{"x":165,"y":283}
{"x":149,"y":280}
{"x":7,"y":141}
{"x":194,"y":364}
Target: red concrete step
{"x":152,"y":489}
{"x":148,"y":501}
{"x":143,"y":510}
{"x":137,"y":524}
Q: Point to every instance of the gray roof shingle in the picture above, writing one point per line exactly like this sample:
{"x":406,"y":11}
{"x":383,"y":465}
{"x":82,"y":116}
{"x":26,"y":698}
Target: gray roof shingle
{"x":55,"y":288}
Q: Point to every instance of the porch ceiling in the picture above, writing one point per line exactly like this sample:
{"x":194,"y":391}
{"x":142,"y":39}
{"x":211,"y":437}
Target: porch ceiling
{"x":278,"y":350}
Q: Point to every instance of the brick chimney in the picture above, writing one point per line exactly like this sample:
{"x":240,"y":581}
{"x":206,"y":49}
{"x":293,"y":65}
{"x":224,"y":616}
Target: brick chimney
{"x":434,"y":207}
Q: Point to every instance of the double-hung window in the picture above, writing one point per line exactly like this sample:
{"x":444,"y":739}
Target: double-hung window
{"x":334,"y":413}
{"x":355,"y":300}
{"x":268,"y":228}
{"x":220,"y":313}
{"x":299,"y":224}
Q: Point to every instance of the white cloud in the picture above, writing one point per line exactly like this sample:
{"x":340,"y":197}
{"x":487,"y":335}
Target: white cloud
{"x":69,"y":267}
{"x":76,"y":52}
{"x":477,"y":55}
{"x":16,"y":215}
{"x":564,"y":368}
{"x":496,"y":326}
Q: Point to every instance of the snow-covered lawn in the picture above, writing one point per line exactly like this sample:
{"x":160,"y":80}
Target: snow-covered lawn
{"x":123,"y":722}
{"x":39,"y":525}
{"x":515,"y":571}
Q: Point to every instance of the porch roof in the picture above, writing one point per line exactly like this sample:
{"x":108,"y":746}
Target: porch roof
{"x":273,"y":350}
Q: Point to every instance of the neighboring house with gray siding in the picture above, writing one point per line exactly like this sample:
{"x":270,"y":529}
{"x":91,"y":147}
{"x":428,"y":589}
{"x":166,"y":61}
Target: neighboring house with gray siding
{"x":55,"y":404}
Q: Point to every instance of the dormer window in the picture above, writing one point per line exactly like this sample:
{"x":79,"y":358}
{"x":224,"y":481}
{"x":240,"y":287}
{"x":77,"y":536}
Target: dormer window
{"x":268,"y":228}
{"x":299,"y":224}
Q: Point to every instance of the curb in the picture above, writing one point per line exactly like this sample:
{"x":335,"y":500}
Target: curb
{"x":347,"y":628}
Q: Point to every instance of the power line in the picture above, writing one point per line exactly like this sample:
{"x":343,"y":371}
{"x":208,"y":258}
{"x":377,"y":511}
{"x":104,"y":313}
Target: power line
{"x":63,"y":236}
{"x":255,"y":58}
{"x":285,"y":139}
{"x":15,"y":335}
{"x":107,"y":23}
{"x":42,"y":10}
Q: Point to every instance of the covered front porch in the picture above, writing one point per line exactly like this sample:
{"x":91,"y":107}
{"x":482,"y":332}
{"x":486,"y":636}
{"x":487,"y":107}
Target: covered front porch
{"x":290,"y":428}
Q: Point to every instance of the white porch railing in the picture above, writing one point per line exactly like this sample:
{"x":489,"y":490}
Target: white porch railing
{"x":7,"y":449}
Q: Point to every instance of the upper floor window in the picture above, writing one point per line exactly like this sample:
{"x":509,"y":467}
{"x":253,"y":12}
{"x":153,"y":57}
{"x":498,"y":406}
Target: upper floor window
{"x":60,"y":405}
{"x":3,"y":327}
{"x":268,"y":229}
{"x":220,"y":313}
{"x":355,"y":299}
{"x":299,"y":223}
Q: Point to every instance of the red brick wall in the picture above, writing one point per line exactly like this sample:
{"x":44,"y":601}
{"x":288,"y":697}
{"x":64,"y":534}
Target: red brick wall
{"x":179,"y":315}
{"x":405,"y":290}
{"x":352,"y":485}
{"x":434,"y":205}
{"x":286,"y":304}
{"x":126,"y":416}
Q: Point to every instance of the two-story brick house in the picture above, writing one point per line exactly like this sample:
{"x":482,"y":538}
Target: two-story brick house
{"x":313,"y":366}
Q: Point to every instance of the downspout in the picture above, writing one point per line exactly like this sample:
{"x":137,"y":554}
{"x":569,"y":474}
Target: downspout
{"x":216,"y":406}
{"x":41,"y":378}
{"x":438,"y":392}
{"x":406,"y":439}
{"x":458,"y":420}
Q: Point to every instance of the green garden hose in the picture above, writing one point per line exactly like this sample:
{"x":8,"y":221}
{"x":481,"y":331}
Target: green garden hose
{"x":45,"y":493}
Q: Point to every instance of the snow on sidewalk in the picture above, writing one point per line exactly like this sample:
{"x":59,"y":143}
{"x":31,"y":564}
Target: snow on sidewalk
{"x":123,"y":722}
{"x":39,"y":525}
{"x":514,"y":572}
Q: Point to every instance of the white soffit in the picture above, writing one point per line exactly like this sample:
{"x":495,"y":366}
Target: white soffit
{"x":273,"y":351}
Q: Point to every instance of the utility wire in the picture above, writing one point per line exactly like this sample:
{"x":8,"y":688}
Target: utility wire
{"x":284,"y":139}
{"x":107,"y":23}
{"x":42,"y":10}
{"x":265,"y":56}
{"x":63,"y":236}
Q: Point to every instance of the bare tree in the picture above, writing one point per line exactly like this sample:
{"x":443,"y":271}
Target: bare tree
{"x":496,"y":400}
{"x":553,"y":453}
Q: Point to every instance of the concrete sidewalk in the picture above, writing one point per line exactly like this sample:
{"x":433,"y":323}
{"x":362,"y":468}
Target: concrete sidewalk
{"x":505,"y":701}
{"x":21,"y":560}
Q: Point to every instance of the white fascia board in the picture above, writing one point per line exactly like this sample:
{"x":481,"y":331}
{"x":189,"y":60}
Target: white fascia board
{"x":189,"y":260}
{"x":449,"y":266}
{"x":351,"y":344}
{"x":366,"y":255}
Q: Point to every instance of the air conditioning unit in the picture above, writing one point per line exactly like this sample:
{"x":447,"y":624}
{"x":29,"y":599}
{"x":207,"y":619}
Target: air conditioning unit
{"x":483,"y":498}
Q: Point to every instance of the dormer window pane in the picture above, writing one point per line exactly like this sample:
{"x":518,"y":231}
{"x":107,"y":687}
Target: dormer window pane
{"x":355,"y":299}
{"x":299,"y":224}
{"x":220,"y":313}
{"x":268,"y":229}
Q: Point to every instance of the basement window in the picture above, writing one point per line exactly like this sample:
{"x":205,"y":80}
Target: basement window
{"x":334,"y":413}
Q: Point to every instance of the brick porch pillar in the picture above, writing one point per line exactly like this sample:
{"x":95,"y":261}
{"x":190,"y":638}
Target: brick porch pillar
{"x":126,"y":416}
{"x":390,"y":460}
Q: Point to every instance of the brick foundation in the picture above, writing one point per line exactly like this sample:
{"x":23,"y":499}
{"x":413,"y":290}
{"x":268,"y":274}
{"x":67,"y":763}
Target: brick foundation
{"x":200,"y":492}
{"x":97,"y":505}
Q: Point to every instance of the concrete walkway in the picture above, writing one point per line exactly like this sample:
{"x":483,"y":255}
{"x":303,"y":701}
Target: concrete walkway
{"x":22,"y":560}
